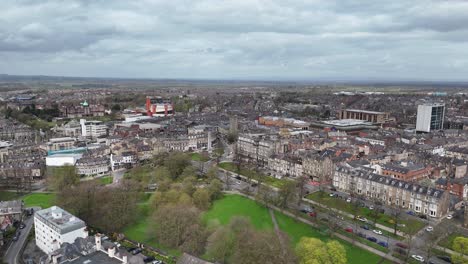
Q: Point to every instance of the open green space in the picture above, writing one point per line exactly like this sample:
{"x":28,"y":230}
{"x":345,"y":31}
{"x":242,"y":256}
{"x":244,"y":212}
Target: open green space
{"x":272,"y":181}
{"x":447,"y":242}
{"x":199,"y":157}
{"x":6,"y":196}
{"x":411,"y":226}
{"x":234,"y":205}
{"x":43,"y":200}
{"x":139,"y":231}
{"x":105,"y":180}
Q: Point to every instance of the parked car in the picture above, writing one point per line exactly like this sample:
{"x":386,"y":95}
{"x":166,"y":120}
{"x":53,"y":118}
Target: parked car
{"x":15,"y":237}
{"x":349,"y":230}
{"x":131,"y":249}
{"x":401,"y":245}
{"x":445,"y":258}
{"x":305,"y":211}
{"x":423,"y":216}
{"x":136,"y":251}
{"x":324,"y":219}
{"x":383,"y":244}
{"x":348,"y":200}
{"x":449,"y":216}
{"x":22,"y":226}
{"x":372,"y":239}
{"x":362,"y":219}
{"x":418,"y":258}
{"x":313,"y":214}
{"x":157,"y":262}
{"x":400,"y":251}
{"x":332,"y":194}
{"x":429,"y":229}
{"x":410,"y":212}
{"x":371,"y":207}
{"x":366,"y":227}
{"x":378,"y":232}
{"x":238,"y":177}
{"x":361,"y":234}
{"x":333,"y":189}
{"x":148,"y":259}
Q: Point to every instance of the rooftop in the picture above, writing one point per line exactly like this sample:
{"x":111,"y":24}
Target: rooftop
{"x":59,"y":219}
{"x":365,"y":111}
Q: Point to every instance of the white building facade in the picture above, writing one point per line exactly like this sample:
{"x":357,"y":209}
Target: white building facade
{"x":55,"y":226}
{"x":430,"y":117}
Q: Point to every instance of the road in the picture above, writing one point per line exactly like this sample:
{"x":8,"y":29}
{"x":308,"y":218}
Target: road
{"x":12,"y":253}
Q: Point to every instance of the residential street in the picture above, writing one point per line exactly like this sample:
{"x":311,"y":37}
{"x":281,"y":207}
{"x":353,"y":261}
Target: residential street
{"x":12,"y":253}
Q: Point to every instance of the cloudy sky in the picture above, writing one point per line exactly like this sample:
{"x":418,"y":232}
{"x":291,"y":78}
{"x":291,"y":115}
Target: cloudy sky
{"x":237,"y":39}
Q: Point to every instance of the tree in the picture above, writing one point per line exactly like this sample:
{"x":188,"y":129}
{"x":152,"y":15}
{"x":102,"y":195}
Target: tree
{"x":216,"y":189}
{"x":201,"y":199}
{"x":61,"y":177}
{"x":188,"y":185}
{"x":287,"y":194}
{"x":314,"y":251}
{"x":178,"y":226}
{"x":219,"y":246}
{"x":212,"y":173}
{"x":176,"y":163}
{"x":460,"y":246}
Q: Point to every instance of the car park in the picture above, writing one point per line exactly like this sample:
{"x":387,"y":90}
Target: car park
{"x":378,"y":232}
{"x":372,"y":239}
{"x":418,"y":258}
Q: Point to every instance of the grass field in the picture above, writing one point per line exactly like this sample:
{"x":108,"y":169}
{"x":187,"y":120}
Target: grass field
{"x":447,"y":242}
{"x":105,"y":180}
{"x":140,"y":231}
{"x":272,"y":181}
{"x":43,"y":200}
{"x":411,"y":226}
{"x":5,"y":196}
{"x":233,"y":205}
{"x":199,"y":157}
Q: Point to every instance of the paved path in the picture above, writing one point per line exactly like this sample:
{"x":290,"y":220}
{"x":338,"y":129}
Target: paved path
{"x":386,"y":228}
{"x":12,"y":254}
{"x":278,"y":231}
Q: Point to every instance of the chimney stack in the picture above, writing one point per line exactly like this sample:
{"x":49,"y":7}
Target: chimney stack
{"x":97,"y":238}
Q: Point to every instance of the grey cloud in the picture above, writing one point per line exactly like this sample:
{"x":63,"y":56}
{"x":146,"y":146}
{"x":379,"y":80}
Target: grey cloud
{"x":235,"y":39}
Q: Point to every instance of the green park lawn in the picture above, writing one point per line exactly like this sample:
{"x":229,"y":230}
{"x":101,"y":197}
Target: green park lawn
{"x":199,"y":157}
{"x":105,"y":180}
{"x":272,"y":181}
{"x":234,"y":205}
{"x":43,"y":200}
{"x":225,"y":209}
{"x":6,"y":196}
{"x":411,"y":226}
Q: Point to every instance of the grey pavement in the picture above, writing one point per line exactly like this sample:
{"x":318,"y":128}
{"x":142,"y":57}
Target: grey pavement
{"x":12,"y":254}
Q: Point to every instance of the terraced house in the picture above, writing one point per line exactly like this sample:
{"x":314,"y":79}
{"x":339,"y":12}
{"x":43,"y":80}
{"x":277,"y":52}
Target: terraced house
{"x":393,"y":192}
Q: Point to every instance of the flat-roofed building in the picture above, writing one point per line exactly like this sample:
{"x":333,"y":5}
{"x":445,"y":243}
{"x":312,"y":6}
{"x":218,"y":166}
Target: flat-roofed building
{"x":430,"y":117}
{"x":370,"y":116}
{"x":55,"y":226}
